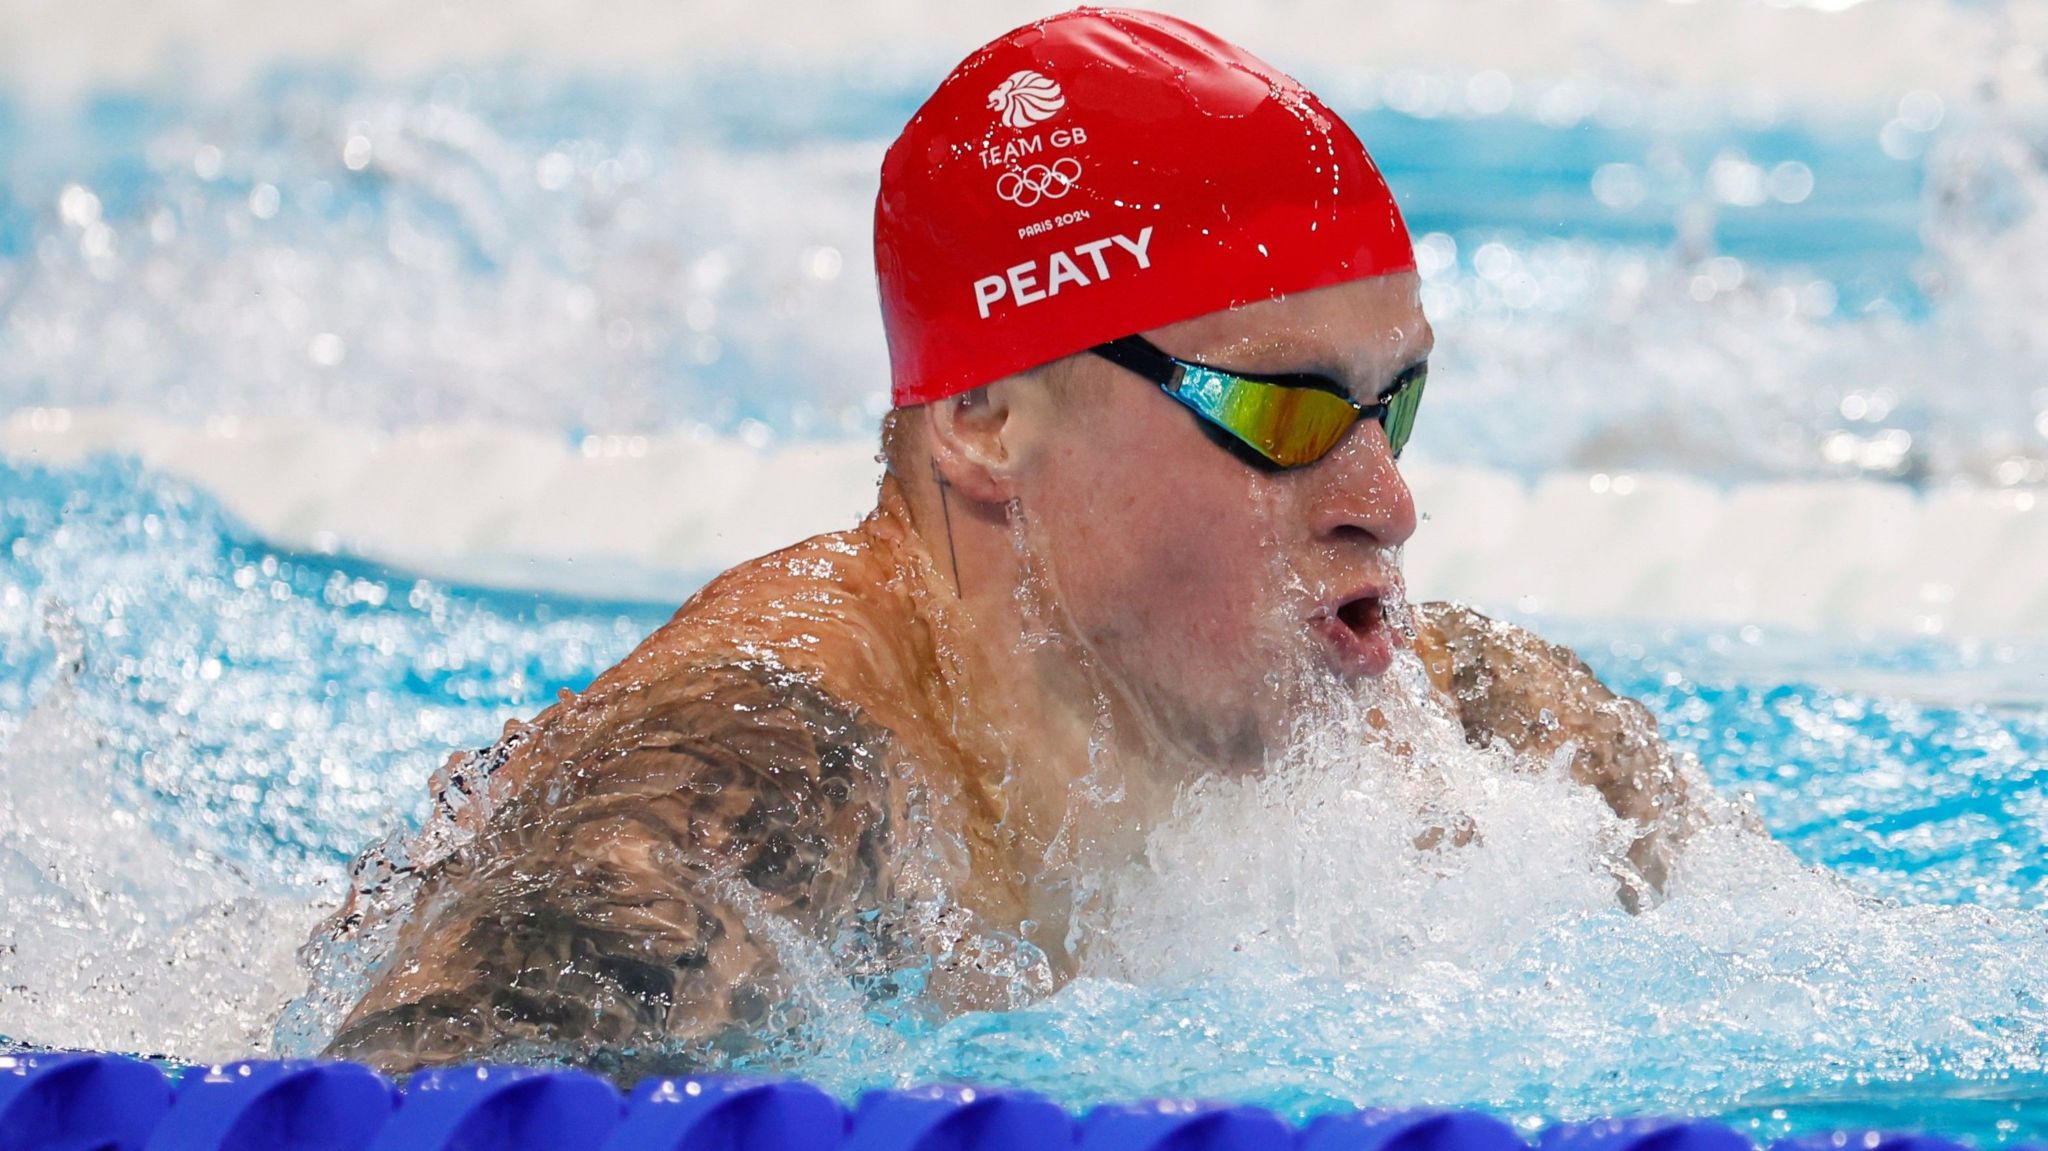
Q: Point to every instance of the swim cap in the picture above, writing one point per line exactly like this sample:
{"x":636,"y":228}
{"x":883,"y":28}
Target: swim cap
{"x":1104,"y":172}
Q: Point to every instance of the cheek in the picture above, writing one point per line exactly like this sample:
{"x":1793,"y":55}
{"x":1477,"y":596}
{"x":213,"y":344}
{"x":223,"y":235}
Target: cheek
{"x":1160,"y":542}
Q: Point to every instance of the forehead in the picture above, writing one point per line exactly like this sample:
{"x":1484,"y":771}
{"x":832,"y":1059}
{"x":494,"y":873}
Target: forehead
{"x":1362,"y":329}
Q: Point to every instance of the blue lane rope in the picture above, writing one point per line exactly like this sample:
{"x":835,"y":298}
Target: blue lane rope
{"x":95,"y":1102}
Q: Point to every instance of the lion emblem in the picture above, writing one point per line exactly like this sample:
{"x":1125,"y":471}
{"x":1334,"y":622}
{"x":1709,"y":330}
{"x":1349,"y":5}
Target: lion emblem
{"x":1026,"y":98}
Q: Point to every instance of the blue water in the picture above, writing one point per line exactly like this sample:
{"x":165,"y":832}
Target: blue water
{"x":233,"y":679}
{"x":694,"y":253}
{"x":1469,"y":176}
{"x":268,"y":665}
{"x":576,"y":254}
{"x":228,"y":706}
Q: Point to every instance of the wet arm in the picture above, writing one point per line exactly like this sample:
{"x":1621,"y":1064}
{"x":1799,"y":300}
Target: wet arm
{"x":641,"y":895}
{"x":1540,"y":699}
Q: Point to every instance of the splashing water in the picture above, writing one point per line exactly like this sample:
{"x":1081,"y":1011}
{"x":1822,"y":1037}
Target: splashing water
{"x":1309,"y":937}
{"x":1319,"y":955}
{"x":184,"y":773}
{"x":117,"y":937}
{"x":1782,"y":292}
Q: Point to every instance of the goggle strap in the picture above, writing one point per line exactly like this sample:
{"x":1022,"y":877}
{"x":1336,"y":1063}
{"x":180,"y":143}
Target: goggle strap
{"x":1136,"y":354}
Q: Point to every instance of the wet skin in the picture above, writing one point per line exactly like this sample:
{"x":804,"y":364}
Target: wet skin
{"x":893,"y":747}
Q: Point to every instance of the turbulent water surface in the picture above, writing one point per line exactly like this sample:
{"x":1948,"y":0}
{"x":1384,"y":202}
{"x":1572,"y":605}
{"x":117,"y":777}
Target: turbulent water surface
{"x":197,"y":729}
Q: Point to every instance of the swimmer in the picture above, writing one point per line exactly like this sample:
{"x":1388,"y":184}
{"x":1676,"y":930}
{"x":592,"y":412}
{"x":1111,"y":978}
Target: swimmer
{"x":1156,"y":343}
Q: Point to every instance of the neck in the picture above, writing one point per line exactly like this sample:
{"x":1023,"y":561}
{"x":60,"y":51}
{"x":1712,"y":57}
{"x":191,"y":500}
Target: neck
{"x":1038,"y":729}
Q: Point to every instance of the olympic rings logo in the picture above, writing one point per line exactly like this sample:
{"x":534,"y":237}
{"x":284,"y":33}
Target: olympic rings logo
{"x":1039,"y":182}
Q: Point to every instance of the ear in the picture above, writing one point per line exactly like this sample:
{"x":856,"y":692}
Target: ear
{"x":973,"y":438}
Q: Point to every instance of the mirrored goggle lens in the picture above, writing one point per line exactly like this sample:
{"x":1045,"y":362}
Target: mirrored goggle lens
{"x":1401,"y":408}
{"x":1289,"y":426}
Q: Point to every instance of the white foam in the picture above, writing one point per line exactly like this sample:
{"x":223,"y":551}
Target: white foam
{"x":1310,"y":932}
{"x":634,"y":517}
{"x":120,"y":934}
{"x":1821,"y":555}
{"x":651,"y":517}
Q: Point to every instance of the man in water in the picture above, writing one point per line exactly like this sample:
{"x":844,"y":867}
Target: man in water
{"x":1156,"y":344}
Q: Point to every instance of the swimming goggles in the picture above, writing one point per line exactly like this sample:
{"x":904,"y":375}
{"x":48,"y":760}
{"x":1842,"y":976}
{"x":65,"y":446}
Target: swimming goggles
{"x":1273,"y":422}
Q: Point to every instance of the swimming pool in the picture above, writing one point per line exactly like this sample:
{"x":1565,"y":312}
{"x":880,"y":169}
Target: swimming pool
{"x":1626,"y":277}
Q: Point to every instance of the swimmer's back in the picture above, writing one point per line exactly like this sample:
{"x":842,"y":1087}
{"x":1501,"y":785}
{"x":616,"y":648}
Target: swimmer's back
{"x":644,"y":838}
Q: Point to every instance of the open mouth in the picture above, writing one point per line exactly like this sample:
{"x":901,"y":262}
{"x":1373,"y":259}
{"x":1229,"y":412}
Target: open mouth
{"x":1356,"y":629}
{"x":1361,"y":613}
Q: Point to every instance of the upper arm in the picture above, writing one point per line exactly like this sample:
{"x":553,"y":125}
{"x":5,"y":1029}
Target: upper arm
{"x":631,"y":893}
{"x":1542,"y":700}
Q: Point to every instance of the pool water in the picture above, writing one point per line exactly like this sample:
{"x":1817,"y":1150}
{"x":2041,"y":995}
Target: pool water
{"x":277,"y":711}
{"x":1636,"y":280}
{"x":198,"y":728}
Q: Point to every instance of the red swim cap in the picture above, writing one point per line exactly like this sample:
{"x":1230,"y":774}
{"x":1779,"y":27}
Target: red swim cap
{"x":1104,"y":172}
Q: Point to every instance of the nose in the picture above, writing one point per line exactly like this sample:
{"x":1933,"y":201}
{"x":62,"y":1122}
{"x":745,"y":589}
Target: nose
{"x":1358,"y":493}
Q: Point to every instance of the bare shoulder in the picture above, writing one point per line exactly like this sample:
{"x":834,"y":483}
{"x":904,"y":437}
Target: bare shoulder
{"x":834,"y":606}
{"x":633,"y":888}
{"x":1511,"y":683}
{"x":1539,"y":698}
